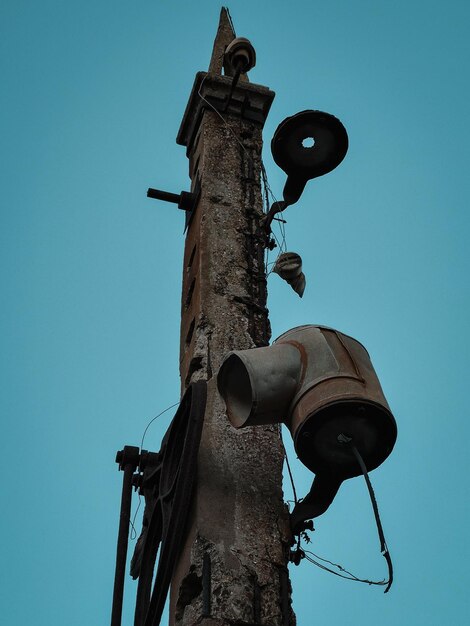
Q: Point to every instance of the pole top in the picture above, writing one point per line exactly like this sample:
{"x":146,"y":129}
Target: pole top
{"x":225,"y":35}
{"x":224,"y":88}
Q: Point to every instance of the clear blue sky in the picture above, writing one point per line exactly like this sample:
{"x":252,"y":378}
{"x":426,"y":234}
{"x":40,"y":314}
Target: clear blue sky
{"x":93,"y":94}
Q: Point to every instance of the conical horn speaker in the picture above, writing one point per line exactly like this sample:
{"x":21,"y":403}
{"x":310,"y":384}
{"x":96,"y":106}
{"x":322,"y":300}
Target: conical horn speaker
{"x":307,"y":145}
{"x":289,"y":267}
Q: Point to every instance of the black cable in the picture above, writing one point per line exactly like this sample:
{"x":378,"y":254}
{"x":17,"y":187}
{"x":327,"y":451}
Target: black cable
{"x":133,"y":532}
{"x":132,"y":523}
{"x":151,"y":422}
{"x":383,"y":543}
{"x":342,"y":569}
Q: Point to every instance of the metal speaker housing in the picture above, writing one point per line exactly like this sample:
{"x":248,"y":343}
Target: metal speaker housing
{"x":307,"y":145}
{"x":339,"y":393}
{"x":321,"y":383}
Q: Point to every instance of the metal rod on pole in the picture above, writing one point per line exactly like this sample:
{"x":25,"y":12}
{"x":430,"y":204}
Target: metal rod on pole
{"x":128,"y":460}
{"x":158,"y":194}
{"x":186,"y":200}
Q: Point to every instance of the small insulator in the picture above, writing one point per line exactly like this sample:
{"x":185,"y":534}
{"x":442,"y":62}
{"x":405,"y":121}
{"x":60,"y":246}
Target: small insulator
{"x":240,"y":55}
{"x":289,"y":268}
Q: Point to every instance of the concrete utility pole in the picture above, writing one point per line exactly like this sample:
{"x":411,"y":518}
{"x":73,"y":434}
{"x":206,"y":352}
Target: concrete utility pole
{"x":233,"y":568}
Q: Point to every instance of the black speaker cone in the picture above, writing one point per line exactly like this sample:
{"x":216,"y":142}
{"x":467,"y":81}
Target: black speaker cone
{"x":307,"y":145}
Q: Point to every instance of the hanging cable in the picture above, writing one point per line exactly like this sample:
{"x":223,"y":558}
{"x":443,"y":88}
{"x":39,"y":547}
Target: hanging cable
{"x":291,"y":478}
{"x":298,"y":554}
{"x":341,"y":569}
{"x":151,"y":422}
{"x":133,"y":535}
{"x":133,"y":532}
{"x":383,"y":543}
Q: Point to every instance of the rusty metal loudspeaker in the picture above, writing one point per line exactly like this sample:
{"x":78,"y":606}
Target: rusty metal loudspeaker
{"x":322,"y":385}
{"x":307,"y":145}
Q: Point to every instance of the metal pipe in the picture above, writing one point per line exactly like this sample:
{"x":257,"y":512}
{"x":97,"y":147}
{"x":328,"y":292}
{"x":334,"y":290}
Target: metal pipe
{"x":157,"y":194}
{"x":127,"y":460}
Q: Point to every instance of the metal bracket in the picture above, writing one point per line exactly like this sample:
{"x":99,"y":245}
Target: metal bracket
{"x":167,"y":480}
{"x":186,"y":200}
{"x":128,"y":460}
{"x":322,"y":492}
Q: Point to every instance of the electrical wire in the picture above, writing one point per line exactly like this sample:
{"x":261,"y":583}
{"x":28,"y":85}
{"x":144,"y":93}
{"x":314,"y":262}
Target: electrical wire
{"x":282,"y":246}
{"x":222,"y":118}
{"x":133,"y":532}
{"x":152,"y":420}
{"x":291,"y":477}
{"x":383,"y":544}
{"x":311,"y":556}
{"x":349,"y":576}
{"x":133,"y":535}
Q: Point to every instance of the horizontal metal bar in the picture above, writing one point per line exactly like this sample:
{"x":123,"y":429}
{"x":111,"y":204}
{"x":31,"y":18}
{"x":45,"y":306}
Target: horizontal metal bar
{"x":157,"y":194}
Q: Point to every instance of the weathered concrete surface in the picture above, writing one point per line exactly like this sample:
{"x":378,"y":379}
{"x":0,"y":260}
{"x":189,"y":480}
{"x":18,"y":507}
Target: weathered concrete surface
{"x":239,"y":519}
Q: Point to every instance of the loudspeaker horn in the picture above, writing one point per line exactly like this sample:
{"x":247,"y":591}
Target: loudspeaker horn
{"x":307,"y":145}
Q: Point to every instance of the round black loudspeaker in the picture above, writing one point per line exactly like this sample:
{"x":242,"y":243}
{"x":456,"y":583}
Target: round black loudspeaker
{"x":307,"y":145}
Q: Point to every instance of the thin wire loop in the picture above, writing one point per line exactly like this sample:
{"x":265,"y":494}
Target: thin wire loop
{"x":133,"y":532}
{"x":311,"y":556}
{"x":342,"y":569}
{"x":152,"y":420}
